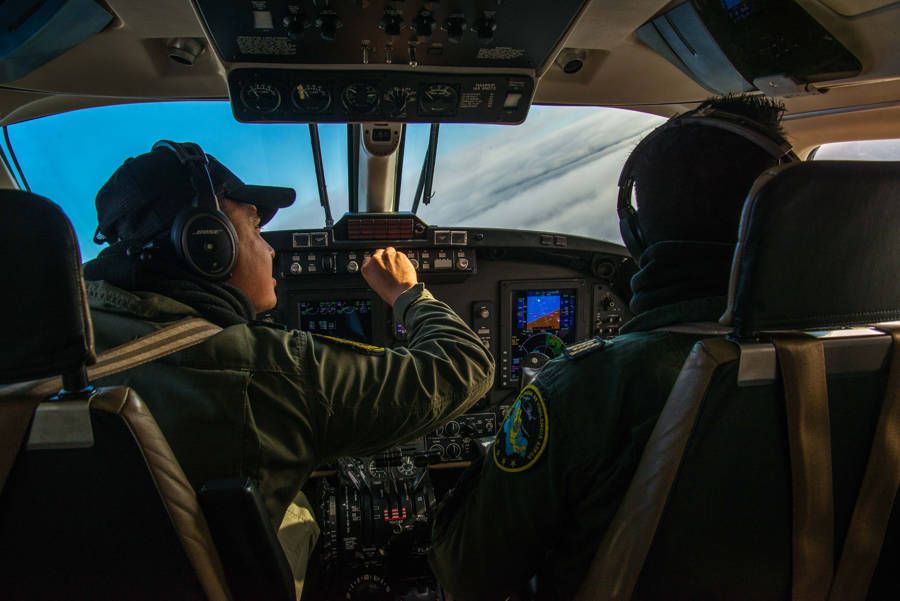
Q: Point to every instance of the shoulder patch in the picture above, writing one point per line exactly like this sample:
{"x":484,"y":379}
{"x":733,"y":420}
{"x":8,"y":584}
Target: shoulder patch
{"x":585,"y":347}
{"x":522,"y":438}
{"x":353,"y":344}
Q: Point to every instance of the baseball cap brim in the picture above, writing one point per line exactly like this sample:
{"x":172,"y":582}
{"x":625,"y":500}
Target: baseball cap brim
{"x":266,"y":199}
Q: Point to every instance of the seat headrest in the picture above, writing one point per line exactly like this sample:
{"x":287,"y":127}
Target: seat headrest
{"x":47,"y":328}
{"x":818,"y":248}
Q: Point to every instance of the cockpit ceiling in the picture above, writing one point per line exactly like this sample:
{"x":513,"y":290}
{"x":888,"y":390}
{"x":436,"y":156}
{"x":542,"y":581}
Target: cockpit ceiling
{"x":129,"y":62}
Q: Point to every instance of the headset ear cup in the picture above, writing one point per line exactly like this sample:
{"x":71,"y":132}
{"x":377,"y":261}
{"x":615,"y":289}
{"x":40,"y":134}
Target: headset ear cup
{"x":631,"y":235}
{"x":629,"y":224}
{"x":206,"y":242}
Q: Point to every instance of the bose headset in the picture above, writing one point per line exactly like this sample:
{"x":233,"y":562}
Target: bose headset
{"x":202,"y":235}
{"x":770,"y":141}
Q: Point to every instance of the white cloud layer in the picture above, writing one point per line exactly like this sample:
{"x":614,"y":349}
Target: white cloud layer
{"x":540,"y":176}
{"x":557,"y":172}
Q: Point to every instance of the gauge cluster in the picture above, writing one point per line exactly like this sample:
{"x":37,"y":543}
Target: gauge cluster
{"x":288,"y":96}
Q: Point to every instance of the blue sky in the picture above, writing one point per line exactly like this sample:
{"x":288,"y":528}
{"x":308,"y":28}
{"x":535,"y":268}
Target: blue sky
{"x":556,"y":172}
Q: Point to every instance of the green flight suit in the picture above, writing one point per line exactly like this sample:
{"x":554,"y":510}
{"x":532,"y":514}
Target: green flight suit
{"x":540,"y":500}
{"x":271,"y":404}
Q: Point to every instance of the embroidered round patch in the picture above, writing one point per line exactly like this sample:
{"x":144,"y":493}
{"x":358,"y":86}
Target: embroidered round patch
{"x":523,"y":437}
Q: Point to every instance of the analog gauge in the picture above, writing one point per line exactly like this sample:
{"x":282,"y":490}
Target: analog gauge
{"x":376,"y":471}
{"x":545,"y":344}
{"x":396,"y":100}
{"x":261,"y":97}
{"x":439,"y":99}
{"x":360,"y":98}
{"x":366,"y":587}
{"x":406,"y":468}
{"x":312,"y":97}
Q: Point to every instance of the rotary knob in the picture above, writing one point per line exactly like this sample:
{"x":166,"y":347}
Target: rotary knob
{"x":455,"y":25}
{"x":352,"y":266}
{"x":424,"y":24}
{"x":485,"y":28}
{"x":327,"y":22}
{"x":415,"y":264}
{"x":391,"y":24}
{"x":453,"y":450}
{"x":452,"y":428}
{"x":295,"y":25}
{"x":462,"y":263}
{"x":296,"y":269}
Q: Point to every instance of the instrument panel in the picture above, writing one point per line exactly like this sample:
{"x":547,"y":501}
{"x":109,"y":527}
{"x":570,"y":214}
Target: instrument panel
{"x":416,"y":35}
{"x":526,"y":294}
{"x":279,"y":95}
{"x":468,"y":61}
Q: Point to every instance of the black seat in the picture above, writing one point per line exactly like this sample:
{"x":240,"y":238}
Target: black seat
{"x":748,"y":486}
{"x":93,"y":503}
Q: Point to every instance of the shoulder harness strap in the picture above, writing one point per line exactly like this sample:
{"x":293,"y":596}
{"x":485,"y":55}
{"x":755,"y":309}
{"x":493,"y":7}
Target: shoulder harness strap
{"x":21,"y":406}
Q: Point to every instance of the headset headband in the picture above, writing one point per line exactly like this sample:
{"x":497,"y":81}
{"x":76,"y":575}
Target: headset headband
{"x":193,"y":157}
{"x":770,"y":141}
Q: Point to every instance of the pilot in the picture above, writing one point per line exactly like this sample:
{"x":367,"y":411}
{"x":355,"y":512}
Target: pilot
{"x":257,"y":400}
{"x":539,"y":501}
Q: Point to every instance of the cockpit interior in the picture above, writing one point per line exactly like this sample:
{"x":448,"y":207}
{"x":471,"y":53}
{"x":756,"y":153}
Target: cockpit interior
{"x":379,"y":99}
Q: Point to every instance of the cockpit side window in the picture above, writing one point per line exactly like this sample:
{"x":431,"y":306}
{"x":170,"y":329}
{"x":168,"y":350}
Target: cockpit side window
{"x":67,"y":157}
{"x":861,"y":150}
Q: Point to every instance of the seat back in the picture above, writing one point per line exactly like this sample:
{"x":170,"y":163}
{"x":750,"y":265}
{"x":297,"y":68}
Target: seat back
{"x":93,"y":504}
{"x":748,"y":486}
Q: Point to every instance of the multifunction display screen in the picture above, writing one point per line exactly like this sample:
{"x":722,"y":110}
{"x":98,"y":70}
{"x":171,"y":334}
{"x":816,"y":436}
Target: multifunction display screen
{"x":543,"y":322}
{"x":351,"y":319}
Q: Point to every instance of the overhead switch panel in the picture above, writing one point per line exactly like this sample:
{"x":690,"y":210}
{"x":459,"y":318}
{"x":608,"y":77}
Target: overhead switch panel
{"x":395,"y":48}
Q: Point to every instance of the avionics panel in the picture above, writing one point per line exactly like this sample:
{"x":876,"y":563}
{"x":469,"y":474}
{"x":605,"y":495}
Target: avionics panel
{"x":484,"y":34}
{"x":351,"y":314}
{"x":350,"y":319}
{"x":540,"y":316}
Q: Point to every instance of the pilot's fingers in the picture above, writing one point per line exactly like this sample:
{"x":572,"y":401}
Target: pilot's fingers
{"x":376,"y":257}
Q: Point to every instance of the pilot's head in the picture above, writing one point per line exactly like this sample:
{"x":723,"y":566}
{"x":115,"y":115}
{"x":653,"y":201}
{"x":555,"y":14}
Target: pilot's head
{"x":683,"y":188}
{"x":691,"y":176}
{"x":138,"y":207}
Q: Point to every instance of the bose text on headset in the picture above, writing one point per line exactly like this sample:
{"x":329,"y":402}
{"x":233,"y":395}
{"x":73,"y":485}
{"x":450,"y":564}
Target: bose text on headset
{"x":202,"y":235}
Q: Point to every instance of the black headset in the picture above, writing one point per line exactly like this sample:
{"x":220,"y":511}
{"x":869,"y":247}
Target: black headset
{"x":770,"y":141}
{"x":203,"y":236}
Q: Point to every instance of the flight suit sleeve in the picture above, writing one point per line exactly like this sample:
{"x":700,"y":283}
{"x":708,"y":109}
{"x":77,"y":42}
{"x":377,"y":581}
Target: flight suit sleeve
{"x":491,"y":533}
{"x":368,"y":398}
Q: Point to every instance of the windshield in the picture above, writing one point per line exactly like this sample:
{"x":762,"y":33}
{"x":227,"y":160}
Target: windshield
{"x":556,"y":172}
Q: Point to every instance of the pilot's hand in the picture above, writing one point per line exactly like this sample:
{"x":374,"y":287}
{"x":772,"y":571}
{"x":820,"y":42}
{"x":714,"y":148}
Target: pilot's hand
{"x":389,"y":273}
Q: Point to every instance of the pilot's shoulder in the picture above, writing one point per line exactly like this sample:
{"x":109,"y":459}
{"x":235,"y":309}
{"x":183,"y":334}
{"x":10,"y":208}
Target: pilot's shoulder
{"x":591,"y":360}
{"x":582,"y":349}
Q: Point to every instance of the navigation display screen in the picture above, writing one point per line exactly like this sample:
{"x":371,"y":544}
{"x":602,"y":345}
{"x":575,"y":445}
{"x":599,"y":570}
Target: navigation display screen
{"x":350,"y":319}
{"x":543,"y":322}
